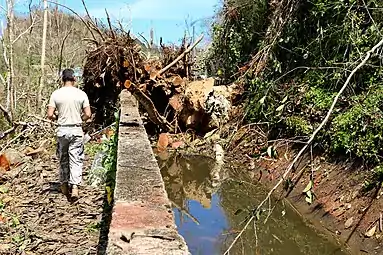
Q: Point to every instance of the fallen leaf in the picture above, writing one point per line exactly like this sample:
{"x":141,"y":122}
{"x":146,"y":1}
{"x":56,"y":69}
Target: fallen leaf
{"x":177,"y":145}
{"x":109,"y":133}
{"x":163,"y":142}
{"x":177,"y":81}
{"x":176,"y":103}
{"x":308,"y":187}
{"x":126,"y":63}
{"x":4,"y":163}
{"x":147,"y":67}
{"x":154,"y":74}
{"x":371,"y":232}
{"x":127,"y":84}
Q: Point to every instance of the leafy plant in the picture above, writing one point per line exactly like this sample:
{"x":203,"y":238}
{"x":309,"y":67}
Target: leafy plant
{"x":110,"y":161}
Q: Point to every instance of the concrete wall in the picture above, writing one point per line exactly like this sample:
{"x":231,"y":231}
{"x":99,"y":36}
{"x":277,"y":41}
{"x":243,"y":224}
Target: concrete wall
{"x":142,"y":219}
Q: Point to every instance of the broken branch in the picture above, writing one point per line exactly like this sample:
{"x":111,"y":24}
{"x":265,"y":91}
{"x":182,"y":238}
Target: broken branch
{"x":149,"y":106}
{"x":188,"y":50}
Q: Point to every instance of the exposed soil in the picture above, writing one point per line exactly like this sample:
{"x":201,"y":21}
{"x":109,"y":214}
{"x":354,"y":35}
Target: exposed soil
{"x":339,"y":197}
{"x":37,"y":219}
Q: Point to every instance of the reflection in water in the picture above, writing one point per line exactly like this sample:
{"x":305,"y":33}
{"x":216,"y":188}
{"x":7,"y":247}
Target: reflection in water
{"x":210,"y":209}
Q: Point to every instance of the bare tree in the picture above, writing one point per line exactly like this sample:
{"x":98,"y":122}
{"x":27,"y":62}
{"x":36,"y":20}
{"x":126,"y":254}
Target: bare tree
{"x":43,"y":47}
{"x":8,"y":41}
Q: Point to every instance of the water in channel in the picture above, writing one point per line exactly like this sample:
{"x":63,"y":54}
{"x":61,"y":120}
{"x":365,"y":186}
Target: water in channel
{"x":210,"y":204}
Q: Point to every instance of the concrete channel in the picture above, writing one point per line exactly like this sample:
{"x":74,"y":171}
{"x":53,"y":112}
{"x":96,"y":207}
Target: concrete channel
{"x":142,"y":217}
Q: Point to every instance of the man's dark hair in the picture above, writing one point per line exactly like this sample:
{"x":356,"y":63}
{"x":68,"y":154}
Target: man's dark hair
{"x":68,"y":75}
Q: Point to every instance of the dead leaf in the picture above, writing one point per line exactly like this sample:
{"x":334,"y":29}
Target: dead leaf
{"x":154,"y":74}
{"x":176,"y":103}
{"x":163,"y":142}
{"x":109,"y":133}
{"x":126,"y":63}
{"x":371,"y":232}
{"x":147,"y":68}
{"x":349,"y":223}
{"x":127,"y":84}
{"x":177,"y":81}
{"x":177,"y":144}
{"x":4,"y":163}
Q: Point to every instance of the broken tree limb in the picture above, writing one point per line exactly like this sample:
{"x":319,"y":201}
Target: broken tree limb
{"x":188,"y":50}
{"x":149,"y":106}
{"x":312,"y":137}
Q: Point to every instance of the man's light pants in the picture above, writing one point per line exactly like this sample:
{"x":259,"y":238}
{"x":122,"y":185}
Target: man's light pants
{"x":70,"y":151}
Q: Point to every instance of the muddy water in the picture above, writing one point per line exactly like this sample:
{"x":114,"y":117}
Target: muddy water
{"x":211,"y":202}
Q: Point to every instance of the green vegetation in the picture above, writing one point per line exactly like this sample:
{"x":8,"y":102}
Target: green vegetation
{"x":91,"y":149}
{"x":110,"y":161}
{"x":294,"y":66}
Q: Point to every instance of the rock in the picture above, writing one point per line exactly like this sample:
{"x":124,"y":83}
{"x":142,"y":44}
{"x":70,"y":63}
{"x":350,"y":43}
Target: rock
{"x":349,"y":223}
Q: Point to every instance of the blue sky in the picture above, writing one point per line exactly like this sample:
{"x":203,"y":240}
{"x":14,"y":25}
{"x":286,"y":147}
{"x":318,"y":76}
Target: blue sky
{"x":167,"y":17}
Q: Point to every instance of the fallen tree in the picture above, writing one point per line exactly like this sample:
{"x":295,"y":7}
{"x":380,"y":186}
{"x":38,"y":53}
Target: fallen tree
{"x":160,"y":82}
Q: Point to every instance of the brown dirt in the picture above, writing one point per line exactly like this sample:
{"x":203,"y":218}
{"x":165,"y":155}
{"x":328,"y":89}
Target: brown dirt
{"x":37,"y":219}
{"x":338,"y":188}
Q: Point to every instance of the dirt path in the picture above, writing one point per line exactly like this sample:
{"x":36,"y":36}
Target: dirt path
{"x":36,"y":219}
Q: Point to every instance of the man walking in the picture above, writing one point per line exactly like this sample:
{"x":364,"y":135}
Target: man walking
{"x":72,"y":105}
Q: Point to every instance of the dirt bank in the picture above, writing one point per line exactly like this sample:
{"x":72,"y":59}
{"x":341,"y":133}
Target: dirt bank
{"x":341,"y":206}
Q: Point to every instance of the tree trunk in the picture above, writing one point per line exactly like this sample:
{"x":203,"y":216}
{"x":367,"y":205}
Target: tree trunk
{"x":10,"y":72}
{"x":42,"y":78}
{"x":29,"y":59}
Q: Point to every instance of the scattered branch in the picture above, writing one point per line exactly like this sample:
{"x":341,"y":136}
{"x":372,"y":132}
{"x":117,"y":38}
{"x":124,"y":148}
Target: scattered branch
{"x":300,"y":153}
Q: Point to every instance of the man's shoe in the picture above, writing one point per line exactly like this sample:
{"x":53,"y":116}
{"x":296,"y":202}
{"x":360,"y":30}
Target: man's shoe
{"x":74,"y":192}
{"x":65,"y":188}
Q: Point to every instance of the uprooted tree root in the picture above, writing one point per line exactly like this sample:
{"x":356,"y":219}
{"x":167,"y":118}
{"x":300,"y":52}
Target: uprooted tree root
{"x":117,"y":62}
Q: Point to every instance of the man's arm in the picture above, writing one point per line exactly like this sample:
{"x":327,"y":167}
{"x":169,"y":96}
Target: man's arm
{"x":51,"y":109}
{"x":87,"y":114}
{"x":51,"y":113}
